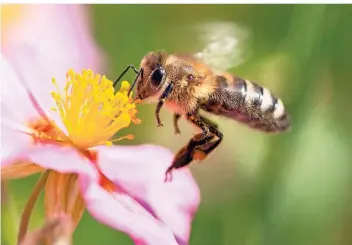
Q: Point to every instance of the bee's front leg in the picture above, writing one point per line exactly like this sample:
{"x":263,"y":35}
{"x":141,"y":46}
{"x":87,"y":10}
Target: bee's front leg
{"x":160,"y":104}
{"x":157,"y":112}
{"x":176,"y":118}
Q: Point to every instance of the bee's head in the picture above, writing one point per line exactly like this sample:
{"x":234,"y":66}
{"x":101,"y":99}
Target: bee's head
{"x":152,"y":77}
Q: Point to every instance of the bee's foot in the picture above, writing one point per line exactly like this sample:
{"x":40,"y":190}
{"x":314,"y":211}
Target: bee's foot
{"x":160,"y":125}
{"x":177,"y":131}
{"x":168,"y":174}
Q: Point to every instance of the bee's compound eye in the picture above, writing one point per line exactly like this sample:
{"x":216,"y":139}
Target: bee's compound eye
{"x":157,"y":76}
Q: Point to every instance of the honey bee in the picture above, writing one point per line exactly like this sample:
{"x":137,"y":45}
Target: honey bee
{"x":187,"y":86}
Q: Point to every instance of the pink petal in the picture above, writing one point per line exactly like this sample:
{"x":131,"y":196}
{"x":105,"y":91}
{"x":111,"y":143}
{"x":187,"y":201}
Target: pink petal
{"x":50,"y":40}
{"x":16,"y":111}
{"x":63,"y":159}
{"x":13,"y":142}
{"x":15,"y":102}
{"x":123,"y":213}
{"x":140,"y":172}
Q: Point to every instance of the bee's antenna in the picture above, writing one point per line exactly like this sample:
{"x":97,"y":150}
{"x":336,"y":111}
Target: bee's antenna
{"x":124,"y":72}
{"x":135,"y":80}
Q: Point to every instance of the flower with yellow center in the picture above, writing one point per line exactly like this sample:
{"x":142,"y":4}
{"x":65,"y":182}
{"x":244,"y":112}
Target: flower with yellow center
{"x":121,"y":186}
{"x":91,"y":111}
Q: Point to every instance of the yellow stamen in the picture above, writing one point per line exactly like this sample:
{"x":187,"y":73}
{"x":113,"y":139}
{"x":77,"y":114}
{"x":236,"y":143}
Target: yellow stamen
{"x":110,"y":142}
{"x":128,"y":137}
{"x":91,"y":110}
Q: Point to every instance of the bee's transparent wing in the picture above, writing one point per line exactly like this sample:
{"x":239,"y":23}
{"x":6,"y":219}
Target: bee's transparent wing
{"x":225,"y":44}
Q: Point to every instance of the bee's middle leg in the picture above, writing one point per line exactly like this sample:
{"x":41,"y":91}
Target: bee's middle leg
{"x":176,"y":119}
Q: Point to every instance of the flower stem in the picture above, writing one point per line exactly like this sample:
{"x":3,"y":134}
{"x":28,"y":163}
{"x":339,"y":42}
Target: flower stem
{"x":26,"y":215}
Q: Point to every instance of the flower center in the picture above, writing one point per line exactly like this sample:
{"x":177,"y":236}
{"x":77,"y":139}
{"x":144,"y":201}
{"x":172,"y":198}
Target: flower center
{"x":91,"y":110}
{"x":44,"y":131}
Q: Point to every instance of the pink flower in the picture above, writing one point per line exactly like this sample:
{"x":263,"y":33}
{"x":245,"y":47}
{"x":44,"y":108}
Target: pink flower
{"x":67,"y":134}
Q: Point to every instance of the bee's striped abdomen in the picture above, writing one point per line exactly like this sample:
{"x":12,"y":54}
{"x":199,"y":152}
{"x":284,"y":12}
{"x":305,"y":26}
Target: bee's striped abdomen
{"x":249,"y":103}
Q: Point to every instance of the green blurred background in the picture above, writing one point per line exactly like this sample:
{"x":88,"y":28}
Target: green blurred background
{"x":292,"y":188}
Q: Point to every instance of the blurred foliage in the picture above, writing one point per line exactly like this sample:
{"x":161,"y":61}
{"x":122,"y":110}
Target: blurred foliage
{"x":292,"y":188}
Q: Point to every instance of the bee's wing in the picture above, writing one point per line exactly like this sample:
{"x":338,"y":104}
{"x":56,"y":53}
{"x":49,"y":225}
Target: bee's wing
{"x":226,"y":44}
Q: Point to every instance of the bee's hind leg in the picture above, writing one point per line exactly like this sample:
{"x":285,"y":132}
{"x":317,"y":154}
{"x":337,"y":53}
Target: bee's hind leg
{"x":178,"y":116}
{"x":185,"y":155}
{"x":208,"y":121}
{"x":203,"y":150}
{"x":198,"y":147}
